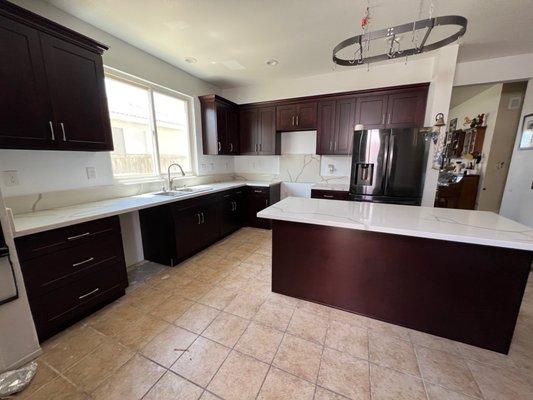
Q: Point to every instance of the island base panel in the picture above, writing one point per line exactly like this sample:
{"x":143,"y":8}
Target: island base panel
{"x":464,"y":292}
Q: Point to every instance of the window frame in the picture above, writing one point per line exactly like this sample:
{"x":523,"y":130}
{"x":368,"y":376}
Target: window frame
{"x":151,"y":87}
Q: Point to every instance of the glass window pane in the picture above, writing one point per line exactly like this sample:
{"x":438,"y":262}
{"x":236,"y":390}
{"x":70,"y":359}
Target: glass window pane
{"x":172,"y":131}
{"x":129,"y":110}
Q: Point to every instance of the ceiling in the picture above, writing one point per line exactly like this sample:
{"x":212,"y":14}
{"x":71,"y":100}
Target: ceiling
{"x":232,"y":39}
{"x":460,"y":94}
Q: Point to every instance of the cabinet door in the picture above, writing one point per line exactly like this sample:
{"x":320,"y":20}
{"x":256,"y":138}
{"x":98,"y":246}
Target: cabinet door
{"x":344,"y":126}
{"x":248,"y":121}
{"x":256,"y":203}
{"x":406,"y":110}
{"x":325,"y":127}
{"x":188,"y":232}
{"x":222,"y":128}
{"x":267,"y":130}
{"x":371,"y":111}
{"x":25,"y":112}
{"x":232,"y":138}
{"x":286,"y":118}
{"x":306,"y":116}
{"x":232,"y":212}
{"x":210,"y":224}
{"x":76,"y":84}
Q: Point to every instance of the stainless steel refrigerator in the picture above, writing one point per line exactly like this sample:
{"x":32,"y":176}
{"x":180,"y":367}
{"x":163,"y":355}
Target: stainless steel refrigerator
{"x":388,"y":165}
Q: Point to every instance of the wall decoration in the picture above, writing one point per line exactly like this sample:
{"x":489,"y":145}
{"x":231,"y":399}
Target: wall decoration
{"x":526,"y":140}
{"x":452,"y":126}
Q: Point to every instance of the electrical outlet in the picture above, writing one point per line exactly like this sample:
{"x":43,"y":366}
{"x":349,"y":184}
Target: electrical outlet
{"x":11,"y":178}
{"x":91,"y":172}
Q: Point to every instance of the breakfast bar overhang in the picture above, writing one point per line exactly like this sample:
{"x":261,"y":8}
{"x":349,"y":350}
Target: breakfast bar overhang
{"x":458,"y":274}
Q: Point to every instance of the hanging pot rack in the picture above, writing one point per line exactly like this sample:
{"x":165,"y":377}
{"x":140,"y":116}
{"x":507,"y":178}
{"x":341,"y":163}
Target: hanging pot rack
{"x":392,"y":33}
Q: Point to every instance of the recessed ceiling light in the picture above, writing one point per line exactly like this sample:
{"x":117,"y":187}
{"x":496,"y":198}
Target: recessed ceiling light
{"x":272,"y":63}
{"x":191,"y":60}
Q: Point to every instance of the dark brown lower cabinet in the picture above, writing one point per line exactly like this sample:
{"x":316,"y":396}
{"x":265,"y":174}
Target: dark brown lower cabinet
{"x":260,"y":198}
{"x":70,"y":272}
{"x":174,"y":232}
{"x":329,"y":194}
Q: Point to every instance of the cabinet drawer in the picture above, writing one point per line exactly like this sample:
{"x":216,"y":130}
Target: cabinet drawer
{"x":257,"y":190}
{"x":45,"y":273}
{"x":57,"y":239}
{"x":64,"y":304}
{"x":329,"y":194}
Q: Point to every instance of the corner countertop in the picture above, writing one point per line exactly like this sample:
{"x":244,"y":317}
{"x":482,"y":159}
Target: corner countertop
{"x":340,"y":187}
{"x":464,"y":226}
{"x":39,"y":221}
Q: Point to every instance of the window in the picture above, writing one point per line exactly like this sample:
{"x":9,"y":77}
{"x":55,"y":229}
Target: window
{"x":150,"y":130}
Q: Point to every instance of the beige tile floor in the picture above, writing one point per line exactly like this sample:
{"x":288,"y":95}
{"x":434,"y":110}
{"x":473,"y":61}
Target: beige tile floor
{"x":211,"y":328}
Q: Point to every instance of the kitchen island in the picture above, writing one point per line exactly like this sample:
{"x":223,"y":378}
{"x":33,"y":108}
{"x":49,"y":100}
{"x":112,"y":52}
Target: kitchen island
{"x":458,"y":274}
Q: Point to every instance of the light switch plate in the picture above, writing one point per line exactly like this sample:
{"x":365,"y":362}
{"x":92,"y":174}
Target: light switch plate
{"x":91,"y":172}
{"x":11,"y":178}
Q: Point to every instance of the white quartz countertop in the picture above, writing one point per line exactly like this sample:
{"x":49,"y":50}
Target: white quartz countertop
{"x":39,"y":221}
{"x":465,"y":226}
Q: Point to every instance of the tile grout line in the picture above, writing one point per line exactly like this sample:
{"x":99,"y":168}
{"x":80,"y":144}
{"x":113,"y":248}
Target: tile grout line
{"x":275,"y":354}
{"x":321,"y":356}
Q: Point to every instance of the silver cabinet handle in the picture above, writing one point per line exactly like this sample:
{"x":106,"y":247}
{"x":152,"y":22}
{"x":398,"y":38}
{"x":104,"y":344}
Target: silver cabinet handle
{"x":83,"y":262}
{"x":199,"y":219}
{"x":256,"y":147}
{"x":52,"y":130}
{"x":260,"y":146}
{"x":330,"y":144}
{"x":88,"y":294}
{"x":63,"y":130}
{"x":258,"y":191}
{"x":266,"y":202}
{"x":203,"y":218}
{"x":388,"y":119}
{"x":235,"y":205}
{"x":219,"y":146}
{"x":383,"y":119}
{"x":335,"y":145}
{"x":327,"y":196}
{"x":297,"y":120}
{"x":78,"y":236}
{"x":293,"y":120}
{"x":231,"y":147}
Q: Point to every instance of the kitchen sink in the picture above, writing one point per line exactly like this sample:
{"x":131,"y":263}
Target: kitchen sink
{"x":184,"y":190}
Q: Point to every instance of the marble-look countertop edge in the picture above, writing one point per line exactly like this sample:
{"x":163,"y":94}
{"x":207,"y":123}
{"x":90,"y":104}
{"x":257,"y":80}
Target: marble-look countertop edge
{"x":273,"y":212}
{"x":150,"y":200}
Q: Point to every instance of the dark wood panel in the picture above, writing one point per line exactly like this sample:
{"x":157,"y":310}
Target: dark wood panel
{"x":25,"y":110}
{"x":475,"y":301}
{"x":371,"y":111}
{"x":406,"y":110}
{"x":77,"y":89}
{"x":325,"y":134}
{"x":232,"y":135}
{"x":306,"y":116}
{"x":329,"y":194}
{"x":344,"y":126}
{"x":267,"y":131}
{"x":286,"y":117}
{"x":248,"y":130}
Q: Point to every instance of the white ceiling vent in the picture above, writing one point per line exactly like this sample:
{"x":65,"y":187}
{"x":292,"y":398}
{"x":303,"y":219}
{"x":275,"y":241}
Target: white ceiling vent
{"x":234,"y":65}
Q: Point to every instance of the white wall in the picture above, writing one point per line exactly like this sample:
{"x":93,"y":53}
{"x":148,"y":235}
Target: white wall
{"x":49,"y":170}
{"x":517,"y":202}
{"x":439,"y":97}
{"x":495,"y":70}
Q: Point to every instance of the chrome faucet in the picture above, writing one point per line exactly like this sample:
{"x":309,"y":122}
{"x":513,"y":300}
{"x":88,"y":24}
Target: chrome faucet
{"x":171,"y":179}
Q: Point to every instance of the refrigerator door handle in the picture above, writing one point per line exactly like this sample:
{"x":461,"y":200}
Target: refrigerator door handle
{"x":390,"y":157}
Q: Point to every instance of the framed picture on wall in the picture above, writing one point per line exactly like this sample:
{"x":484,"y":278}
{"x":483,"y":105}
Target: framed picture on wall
{"x":526,"y":140}
{"x":452,"y":125}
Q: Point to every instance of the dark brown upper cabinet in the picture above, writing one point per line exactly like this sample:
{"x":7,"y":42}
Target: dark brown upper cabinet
{"x":52,"y":80}
{"x":220,"y":125}
{"x":335,"y":126}
{"x":296,"y":117}
{"x":371,"y":111}
{"x":406,"y":109}
{"x":258,"y":134}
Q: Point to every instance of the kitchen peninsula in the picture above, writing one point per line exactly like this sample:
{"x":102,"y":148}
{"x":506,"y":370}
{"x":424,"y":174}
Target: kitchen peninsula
{"x":459,"y":274}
